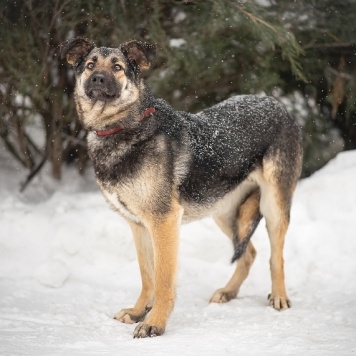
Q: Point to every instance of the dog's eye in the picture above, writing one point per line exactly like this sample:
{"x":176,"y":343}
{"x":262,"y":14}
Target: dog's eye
{"x":117,"y":67}
{"x":90,"y":65}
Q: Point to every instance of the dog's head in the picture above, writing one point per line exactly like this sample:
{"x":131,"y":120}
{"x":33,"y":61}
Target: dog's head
{"x":107,"y":79}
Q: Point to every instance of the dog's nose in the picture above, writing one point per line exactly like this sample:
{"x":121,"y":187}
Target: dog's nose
{"x":98,"y":79}
{"x":101,"y":86}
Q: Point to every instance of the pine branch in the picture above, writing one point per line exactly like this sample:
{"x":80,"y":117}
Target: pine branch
{"x":330,"y":45}
{"x":256,"y":19}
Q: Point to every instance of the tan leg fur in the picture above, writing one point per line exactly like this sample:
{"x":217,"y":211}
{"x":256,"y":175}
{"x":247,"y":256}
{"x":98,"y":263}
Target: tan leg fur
{"x":164,"y":232}
{"x":275,"y":207}
{"x":145,"y":258}
{"x":246,"y":215}
{"x":242,"y":270}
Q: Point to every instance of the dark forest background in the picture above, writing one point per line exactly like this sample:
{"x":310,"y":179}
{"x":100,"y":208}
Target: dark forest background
{"x":300,"y":51}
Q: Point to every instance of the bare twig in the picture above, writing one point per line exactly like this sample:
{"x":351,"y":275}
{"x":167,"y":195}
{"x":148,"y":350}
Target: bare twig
{"x":11,"y":148}
{"x":23,"y":143}
{"x":330,"y":45}
{"x":36,"y":169}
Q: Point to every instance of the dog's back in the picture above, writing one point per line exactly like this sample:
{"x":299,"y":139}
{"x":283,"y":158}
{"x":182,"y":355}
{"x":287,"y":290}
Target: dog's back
{"x":230,"y":140}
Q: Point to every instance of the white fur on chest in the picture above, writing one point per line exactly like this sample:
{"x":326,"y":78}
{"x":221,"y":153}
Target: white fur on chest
{"x":113,"y":200}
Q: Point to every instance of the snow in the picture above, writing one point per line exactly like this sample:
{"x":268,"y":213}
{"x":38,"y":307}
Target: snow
{"x":68,"y":265}
{"x":177,"y":42}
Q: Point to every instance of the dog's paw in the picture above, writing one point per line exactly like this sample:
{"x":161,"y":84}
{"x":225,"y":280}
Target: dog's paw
{"x":146,"y":330}
{"x":131,"y":315}
{"x":278,"y":302}
{"x":222,"y":296}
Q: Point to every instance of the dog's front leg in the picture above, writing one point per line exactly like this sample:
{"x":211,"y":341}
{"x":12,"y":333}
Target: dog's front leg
{"x":164,"y":232}
{"x":145,"y":259}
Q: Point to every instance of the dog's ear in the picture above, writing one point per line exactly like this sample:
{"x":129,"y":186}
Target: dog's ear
{"x":75,"y":49}
{"x":140,"y":54}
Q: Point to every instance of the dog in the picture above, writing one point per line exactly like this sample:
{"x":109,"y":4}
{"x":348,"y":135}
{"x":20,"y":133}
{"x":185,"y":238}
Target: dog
{"x":237,"y":161}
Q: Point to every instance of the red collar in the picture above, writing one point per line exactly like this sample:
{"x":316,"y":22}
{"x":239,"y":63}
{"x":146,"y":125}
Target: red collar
{"x":147,"y":112}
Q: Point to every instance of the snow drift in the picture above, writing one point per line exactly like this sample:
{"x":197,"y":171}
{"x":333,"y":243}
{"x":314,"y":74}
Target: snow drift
{"x":68,"y":265}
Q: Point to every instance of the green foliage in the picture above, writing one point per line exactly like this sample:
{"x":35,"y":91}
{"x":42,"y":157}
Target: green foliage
{"x":207,"y":51}
{"x":325,"y":31}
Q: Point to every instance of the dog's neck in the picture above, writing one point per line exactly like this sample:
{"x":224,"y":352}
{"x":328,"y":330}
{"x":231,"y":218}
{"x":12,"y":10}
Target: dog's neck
{"x":128,"y":117}
{"x":147,"y":112}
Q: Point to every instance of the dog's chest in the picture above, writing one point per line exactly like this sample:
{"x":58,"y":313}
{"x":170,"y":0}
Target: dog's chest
{"x":135,"y":196}
{"x":113,"y":198}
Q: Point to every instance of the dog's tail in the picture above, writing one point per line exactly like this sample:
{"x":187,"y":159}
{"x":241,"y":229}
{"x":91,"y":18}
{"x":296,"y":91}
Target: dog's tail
{"x":248,"y":218}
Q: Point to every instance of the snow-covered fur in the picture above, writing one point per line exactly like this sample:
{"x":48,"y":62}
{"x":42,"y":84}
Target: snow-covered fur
{"x":236,"y":161}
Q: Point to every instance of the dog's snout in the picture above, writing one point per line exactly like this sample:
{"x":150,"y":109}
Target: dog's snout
{"x":98,"y":79}
{"x":102,"y":86}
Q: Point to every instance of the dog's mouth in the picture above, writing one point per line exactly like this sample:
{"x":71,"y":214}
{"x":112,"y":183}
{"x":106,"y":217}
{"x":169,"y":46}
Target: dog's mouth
{"x":100,"y":94}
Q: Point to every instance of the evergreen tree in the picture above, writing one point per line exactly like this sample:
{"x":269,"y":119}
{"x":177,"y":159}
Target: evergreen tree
{"x":207,"y":51}
{"x":325,"y":31}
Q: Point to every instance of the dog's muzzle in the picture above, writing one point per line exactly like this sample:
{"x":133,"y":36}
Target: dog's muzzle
{"x":101,"y":86}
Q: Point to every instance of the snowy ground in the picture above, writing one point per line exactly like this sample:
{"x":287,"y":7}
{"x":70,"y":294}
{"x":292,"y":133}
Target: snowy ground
{"x":67,"y":265}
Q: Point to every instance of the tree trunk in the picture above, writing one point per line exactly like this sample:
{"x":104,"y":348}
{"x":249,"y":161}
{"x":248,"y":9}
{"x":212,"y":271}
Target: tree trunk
{"x":56,"y":152}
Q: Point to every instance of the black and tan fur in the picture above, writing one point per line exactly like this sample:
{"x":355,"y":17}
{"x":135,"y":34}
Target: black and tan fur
{"x":238,"y":161}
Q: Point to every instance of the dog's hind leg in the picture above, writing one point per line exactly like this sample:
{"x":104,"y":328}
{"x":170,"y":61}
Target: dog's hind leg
{"x":239,"y":226}
{"x":277,"y":186}
{"x":145,"y":258}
